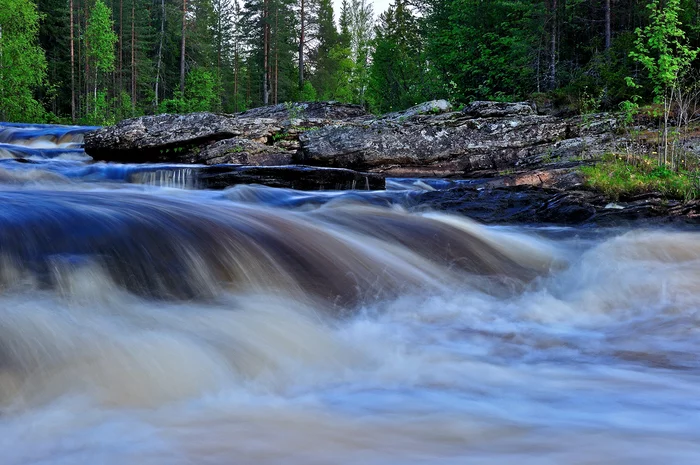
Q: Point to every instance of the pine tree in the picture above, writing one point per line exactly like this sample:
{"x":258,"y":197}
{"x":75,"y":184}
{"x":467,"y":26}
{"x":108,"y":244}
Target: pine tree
{"x":54,"y":39}
{"x":398,"y":75}
{"x":324,"y":63}
{"x":487,"y":51}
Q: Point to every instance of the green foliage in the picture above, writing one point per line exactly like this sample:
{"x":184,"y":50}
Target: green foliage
{"x":101,"y":115}
{"x":628,"y":110}
{"x":294,"y":111}
{"x":338,"y":86}
{"x":360,"y":30}
{"x":661,"y":47}
{"x":200,"y":94}
{"x":308,"y":93}
{"x":602,"y":77}
{"x":617,"y":176}
{"x":22,"y":62}
{"x":485,"y":50}
{"x":123,"y":107}
{"x":399,"y":74}
{"x":419,"y":50}
{"x":328,"y":38}
{"x":176,"y":104}
{"x":100,"y":37}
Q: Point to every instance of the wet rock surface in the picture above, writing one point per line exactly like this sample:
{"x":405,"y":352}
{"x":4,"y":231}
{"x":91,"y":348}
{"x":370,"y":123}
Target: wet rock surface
{"x":533,"y":205}
{"x":527,"y":162}
{"x":298,"y":177}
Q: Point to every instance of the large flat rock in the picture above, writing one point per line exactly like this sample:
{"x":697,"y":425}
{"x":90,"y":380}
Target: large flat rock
{"x":481,"y":140}
{"x":428,"y":140}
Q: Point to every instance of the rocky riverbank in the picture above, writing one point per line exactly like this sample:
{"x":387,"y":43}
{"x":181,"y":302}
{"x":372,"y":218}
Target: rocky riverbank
{"x":431,"y":139}
{"x":527,"y":162}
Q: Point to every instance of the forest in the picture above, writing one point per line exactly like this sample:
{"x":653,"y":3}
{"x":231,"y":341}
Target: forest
{"x":96,"y":62}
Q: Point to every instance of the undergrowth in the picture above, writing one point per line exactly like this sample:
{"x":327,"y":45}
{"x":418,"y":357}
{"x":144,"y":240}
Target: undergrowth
{"x":618,"y":175}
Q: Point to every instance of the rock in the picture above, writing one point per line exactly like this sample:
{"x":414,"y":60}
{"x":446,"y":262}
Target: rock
{"x":484,"y":139}
{"x":243,"y":152}
{"x":433,"y":107}
{"x":557,"y":178}
{"x":197,"y":137}
{"x":533,"y":205}
{"x":172,"y":138}
{"x":426,"y":145}
{"x":482,"y":109}
{"x":329,"y":111}
{"x":292,"y":177}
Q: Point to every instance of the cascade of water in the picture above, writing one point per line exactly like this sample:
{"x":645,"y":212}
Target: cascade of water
{"x":146,"y":320}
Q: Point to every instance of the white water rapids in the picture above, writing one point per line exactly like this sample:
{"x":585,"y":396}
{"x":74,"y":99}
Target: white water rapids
{"x":151,"y":325}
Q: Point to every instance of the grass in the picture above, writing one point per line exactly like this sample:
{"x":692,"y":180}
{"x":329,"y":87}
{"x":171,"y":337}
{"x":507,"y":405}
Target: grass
{"x":616,"y":176}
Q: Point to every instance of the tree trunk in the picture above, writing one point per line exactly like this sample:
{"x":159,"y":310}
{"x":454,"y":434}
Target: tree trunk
{"x":235,"y":76}
{"x":72,"y":66}
{"x":182,"y":48}
{"x":301,"y":48}
{"x":266,"y":53}
{"x":121,"y":46}
{"x":87,"y":74}
{"x":553,"y":46}
{"x":219,"y":49}
{"x":133,"y":57}
{"x":79,"y":86}
{"x":94,"y":110}
{"x":608,"y":28}
{"x":667,"y":111}
{"x":277,"y":48}
{"x":160,"y":49}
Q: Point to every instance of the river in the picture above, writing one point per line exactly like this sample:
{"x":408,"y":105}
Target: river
{"x":144,"y":321}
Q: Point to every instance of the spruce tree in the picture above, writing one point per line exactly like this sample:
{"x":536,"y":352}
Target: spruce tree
{"x":325,"y":63}
{"x":398,"y":75}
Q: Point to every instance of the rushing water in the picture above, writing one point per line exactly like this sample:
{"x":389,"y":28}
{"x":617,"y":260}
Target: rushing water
{"x":145,"y":322}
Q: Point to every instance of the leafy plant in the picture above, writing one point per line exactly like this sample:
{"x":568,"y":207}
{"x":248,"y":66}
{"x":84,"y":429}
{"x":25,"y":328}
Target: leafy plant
{"x":294,"y":110}
{"x":663,"y":50}
{"x":22,"y":62}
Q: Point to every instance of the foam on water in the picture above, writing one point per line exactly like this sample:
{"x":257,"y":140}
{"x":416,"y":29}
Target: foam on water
{"x":451,"y":342}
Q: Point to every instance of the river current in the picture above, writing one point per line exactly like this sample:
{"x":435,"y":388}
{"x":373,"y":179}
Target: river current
{"x":144,"y":321}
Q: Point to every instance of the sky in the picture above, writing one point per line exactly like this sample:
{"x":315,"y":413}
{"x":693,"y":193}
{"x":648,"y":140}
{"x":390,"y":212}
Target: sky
{"x":378,"y":5}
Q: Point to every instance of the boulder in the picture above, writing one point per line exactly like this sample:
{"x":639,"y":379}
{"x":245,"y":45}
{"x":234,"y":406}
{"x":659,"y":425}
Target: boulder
{"x":172,"y":138}
{"x":243,"y":152}
{"x":261,"y":136}
{"x":484,"y":139}
{"x":432,"y":107}
{"x":487,"y":109}
{"x":326,"y":111}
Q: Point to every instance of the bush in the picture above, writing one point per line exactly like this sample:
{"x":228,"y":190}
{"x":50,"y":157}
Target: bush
{"x":200,"y":94}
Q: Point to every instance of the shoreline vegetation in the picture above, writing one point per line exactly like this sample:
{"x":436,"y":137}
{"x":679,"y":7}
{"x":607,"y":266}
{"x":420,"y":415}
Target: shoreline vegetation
{"x":618,"y":176}
{"x":96,"y":63}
